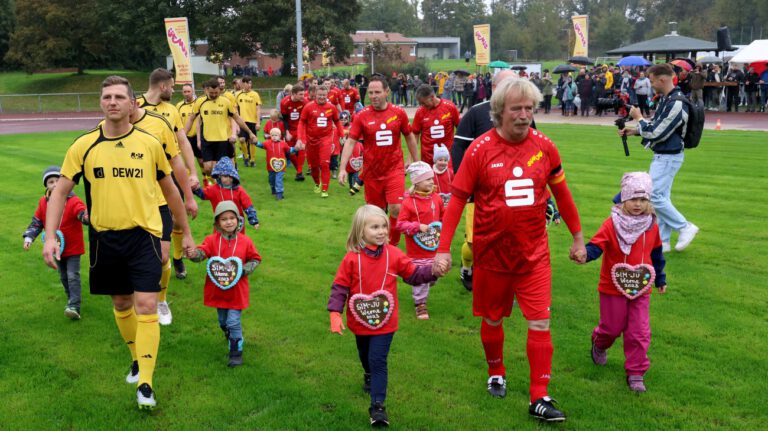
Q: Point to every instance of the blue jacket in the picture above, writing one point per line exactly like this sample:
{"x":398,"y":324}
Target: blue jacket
{"x":664,"y":133}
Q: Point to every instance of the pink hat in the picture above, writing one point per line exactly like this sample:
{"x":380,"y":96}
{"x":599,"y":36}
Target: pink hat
{"x":636,"y":185}
{"x":419,"y":172}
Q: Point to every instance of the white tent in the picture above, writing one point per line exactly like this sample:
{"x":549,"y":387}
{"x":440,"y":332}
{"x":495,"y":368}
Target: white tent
{"x":755,"y":51}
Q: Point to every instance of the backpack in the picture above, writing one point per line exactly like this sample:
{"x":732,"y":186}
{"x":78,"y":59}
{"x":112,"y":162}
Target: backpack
{"x":694,"y":127}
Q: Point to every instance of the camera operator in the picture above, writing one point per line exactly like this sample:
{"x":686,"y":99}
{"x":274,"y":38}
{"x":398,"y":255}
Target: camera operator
{"x":664,"y":135}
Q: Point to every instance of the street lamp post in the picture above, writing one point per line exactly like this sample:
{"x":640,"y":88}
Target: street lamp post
{"x":370,"y":48}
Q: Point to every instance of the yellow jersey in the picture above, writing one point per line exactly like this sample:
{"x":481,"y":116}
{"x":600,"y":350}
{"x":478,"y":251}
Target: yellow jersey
{"x":248,"y":105}
{"x":161,"y":129}
{"x":214,"y":116}
{"x":120,"y":175}
{"x":167,"y":110}
{"x":185,"y":110}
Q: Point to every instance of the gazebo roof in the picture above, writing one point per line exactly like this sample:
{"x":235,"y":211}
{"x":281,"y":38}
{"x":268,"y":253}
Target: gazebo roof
{"x":670,"y":43}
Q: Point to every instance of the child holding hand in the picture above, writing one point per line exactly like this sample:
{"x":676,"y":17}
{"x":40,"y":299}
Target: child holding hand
{"x":277,"y":160}
{"x":632,"y":260}
{"x":443,"y":175}
{"x":231,"y":257}
{"x":228,"y":188}
{"x":419,"y":220}
{"x":366,"y":283}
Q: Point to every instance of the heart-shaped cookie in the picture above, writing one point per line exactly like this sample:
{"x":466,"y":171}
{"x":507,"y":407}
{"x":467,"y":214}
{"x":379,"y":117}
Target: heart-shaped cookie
{"x":356,"y":163}
{"x":372,"y":311}
{"x":277,"y":164}
{"x":430,"y":239}
{"x":59,"y":240}
{"x":632,"y":280}
{"x":225,"y":273}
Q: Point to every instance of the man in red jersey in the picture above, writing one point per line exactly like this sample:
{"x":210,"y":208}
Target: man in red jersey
{"x":349,"y":97}
{"x":316,"y":125}
{"x":379,"y":127}
{"x":290,"y":109}
{"x":435,"y":120}
{"x":335,"y":96}
{"x":508,"y":170}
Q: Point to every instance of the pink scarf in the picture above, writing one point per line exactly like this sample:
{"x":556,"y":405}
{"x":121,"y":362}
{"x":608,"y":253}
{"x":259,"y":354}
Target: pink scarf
{"x":628,"y":227}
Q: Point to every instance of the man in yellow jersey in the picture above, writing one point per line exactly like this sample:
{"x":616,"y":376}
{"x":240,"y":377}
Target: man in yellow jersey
{"x":122,"y":166}
{"x":230,"y":95}
{"x":156,"y":100}
{"x":185,"y":107}
{"x":217,"y":136}
{"x":161,"y":129}
{"x":249,"y":107}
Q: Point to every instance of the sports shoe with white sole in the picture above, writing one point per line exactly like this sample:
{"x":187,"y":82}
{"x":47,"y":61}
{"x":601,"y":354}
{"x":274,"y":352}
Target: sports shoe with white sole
{"x":497,"y":386}
{"x":378,"y":415}
{"x":145,"y":397}
{"x":686,"y":236}
{"x":72,"y":313}
{"x":133,"y":374}
{"x":164,"y":315}
{"x":543,"y":409}
{"x":666,"y":247}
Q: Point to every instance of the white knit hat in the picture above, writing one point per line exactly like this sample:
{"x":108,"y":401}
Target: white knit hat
{"x":420,"y":171}
{"x":441,"y":152}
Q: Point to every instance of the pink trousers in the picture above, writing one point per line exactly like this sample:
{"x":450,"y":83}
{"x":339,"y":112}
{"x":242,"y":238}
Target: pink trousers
{"x":421,"y":291}
{"x":619,"y":315}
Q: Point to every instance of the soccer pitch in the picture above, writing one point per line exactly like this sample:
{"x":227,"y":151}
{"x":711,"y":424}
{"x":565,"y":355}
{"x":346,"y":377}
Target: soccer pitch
{"x":708,"y":350}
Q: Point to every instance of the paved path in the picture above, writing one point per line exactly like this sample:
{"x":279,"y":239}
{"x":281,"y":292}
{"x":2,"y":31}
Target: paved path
{"x":64,"y":121}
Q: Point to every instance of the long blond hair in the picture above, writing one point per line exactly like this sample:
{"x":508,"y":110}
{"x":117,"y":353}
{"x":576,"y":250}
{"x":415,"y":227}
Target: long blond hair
{"x":355,"y":241}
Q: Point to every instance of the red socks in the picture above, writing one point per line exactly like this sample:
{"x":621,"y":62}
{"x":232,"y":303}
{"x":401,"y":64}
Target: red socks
{"x":539,"y":349}
{"x":493,"y":344}
{"x":394,"y":234}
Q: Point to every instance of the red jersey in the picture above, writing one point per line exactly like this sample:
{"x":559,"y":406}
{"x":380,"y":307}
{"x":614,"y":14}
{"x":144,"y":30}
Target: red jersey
{"x":291,"y":111}
{"x":606,"y":239}
{"x":349,"y":97}
{"x":238,"y":296}
{"x":271,"y":125}
{"x":317,"y":122}
{"x":276,"y":152}
{"x":375,"y":272}
{"x":216,"y":193}
{"x":380,"y":132}
{"x":70,"y":226}
{"x":509,"y":183}
{"x":443,"y":183}
{"x":355,"y":162}
{"x":335,"y":96}
{"x":436,"y":126}
{"x":414,"y":211}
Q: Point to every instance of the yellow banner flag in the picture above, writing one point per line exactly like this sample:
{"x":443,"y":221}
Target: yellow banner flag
{"x":177,"y":32}
{"x":482,"y":36}
{"x":581,"y":29}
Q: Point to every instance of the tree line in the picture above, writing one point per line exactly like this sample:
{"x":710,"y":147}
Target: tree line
{"x":40,"y":34}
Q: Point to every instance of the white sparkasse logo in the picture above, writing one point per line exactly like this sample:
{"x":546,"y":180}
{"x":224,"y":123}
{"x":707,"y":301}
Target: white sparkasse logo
{"x":519,"y":193}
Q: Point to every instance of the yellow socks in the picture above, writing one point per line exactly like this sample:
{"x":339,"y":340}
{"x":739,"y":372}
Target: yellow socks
{"x":176,"y":240}
{"x":147,"y":344}
{"x":244,"y":149}
{"x":165,"y":278}
{"x":126,"y":324}
{"x":466,"y":256}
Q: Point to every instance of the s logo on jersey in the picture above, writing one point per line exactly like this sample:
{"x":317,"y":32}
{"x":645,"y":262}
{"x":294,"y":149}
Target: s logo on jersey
{"x":519,"y":193}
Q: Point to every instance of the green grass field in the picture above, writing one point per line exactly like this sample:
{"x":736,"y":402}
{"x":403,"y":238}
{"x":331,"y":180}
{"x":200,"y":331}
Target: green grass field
{"x":708,"y":352}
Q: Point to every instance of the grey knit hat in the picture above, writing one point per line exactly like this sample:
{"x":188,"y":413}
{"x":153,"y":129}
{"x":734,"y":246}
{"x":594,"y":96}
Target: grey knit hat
{"x":51,"y":171}
{"x":223,"y":207}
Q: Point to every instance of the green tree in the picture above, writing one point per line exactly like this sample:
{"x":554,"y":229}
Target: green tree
{"x":7,"y":24}
{"x":397,"y":16}
{"x":453,"y":18}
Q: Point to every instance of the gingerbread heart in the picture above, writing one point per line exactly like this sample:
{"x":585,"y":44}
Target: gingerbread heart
{"x":277,"y":164}
{"x":225,"y":273}
{"x":59,"y":240}
{"x":372,"y":311}
{"x":356,"y":163}
{"x":633,"y":280}
{"x":430,"y":239}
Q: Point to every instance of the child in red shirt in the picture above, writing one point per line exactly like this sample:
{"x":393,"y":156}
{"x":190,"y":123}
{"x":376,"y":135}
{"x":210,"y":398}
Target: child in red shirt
{"x":228,"y":188}
{"x":367,"y":283}
{"x":354,"y":168}
{"x":632,"y":261}
{"x":231,"y":256}
{"x":419,"y":220}
{"x":71,"y":231}
{"x":277,"y":160}
{"x":274,"y":121}
{"x":443,"y":175}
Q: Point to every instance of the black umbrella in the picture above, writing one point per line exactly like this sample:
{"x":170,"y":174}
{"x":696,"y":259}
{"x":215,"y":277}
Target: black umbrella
{"x":519,"y":67}
{"x":580,"y":60}
{"x":461,"y":72}
{"x":564,"y":68}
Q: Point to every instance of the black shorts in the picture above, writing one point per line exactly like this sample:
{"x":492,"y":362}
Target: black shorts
{"x":214,"y":151}
{"x":124,"y":262}
{"x":196,"y":151}
{"x":244,"y":133}
{"x":165,"y":214}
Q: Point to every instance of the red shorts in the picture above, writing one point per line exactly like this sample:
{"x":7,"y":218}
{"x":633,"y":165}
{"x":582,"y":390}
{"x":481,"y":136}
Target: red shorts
{"x":494,"y":292}
{"x":383,"y":191}
{"x":318,"y":155}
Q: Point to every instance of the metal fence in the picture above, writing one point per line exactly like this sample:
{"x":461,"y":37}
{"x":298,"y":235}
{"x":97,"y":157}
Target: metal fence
{"x":88,"y":102}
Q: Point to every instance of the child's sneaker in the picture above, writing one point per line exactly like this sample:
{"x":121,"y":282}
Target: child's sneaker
{"x":421,"y":312}
{"x":378,"y":415}
{"x":497,"y":386}
{"x":367,"y":383}
{"x":279,"y":197}
{"x":599,"y":356}
{"x":636,"y":384}
{"x":145,"y":396}
{"x":544,"y":409}
{"x":235,"y":352}
{"x":133,"y":373}
{"x":299,"y":177}
{"x":164,"y":315}
{"x":666,"y":247}
{"x":72,"y":313}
